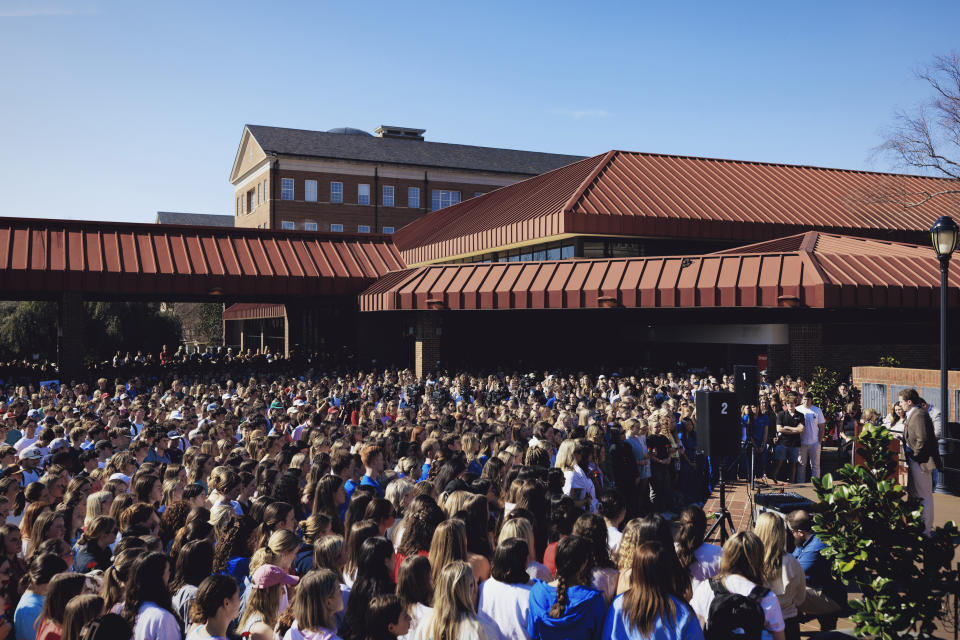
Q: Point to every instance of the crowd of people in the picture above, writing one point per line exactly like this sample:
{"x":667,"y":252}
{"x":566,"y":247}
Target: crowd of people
{"x":382,"y":505}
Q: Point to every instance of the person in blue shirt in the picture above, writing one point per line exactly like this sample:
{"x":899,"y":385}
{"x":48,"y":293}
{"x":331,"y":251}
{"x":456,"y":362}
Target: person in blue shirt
{"x":372,"y":458}
{"x":825,"y":595}
{"x":648,"y":610}
{"x":567,"y":607}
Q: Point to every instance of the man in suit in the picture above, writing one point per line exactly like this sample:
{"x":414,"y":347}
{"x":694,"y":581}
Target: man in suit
{"x":923,"y":457}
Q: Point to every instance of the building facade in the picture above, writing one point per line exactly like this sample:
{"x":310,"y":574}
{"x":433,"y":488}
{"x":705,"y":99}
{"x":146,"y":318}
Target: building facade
{"x":347,"y":180}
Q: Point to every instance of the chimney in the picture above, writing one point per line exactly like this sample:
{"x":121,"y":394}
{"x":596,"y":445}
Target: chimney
{"x":404,"y":133}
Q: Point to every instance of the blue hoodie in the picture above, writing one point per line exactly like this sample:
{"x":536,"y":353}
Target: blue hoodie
{"x":583,"y":618}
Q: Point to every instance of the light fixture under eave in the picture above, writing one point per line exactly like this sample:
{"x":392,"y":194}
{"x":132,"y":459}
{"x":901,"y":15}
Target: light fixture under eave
{"x":436,"y":304}
{"x":788,"y":302}
{"x":216,"y":291}
{"x":607,"y":302}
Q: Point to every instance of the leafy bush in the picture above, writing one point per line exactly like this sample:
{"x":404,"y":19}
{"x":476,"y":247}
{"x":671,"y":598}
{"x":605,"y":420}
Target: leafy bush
{"x":874,"y":537}
{"x":889,"y":361}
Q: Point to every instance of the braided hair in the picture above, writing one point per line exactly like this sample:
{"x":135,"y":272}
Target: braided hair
{"x":574,"y":564}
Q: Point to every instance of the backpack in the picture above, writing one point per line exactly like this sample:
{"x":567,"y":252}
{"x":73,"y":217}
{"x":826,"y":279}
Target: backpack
{"x":733,"y":615}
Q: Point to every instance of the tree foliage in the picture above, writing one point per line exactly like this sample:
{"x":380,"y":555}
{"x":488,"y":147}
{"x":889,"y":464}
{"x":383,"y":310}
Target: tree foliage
{"x":211,"y":322}
{"x":926,"y":140}
{"x":30,"y":328}
{"x":875,"y":541}
{"x":823,"y":386}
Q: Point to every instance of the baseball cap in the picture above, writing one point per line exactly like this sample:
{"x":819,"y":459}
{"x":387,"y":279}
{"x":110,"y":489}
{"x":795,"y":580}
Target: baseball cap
{"x":213,"y":406}
{"x":103,"y":444}
{"x":276,"y":404}
{"x":121,"y":476}
{"x":196,"y":433}
{"x":176,"y":414}
{"x":58,"y":443}
{"x":173,"y":434}
{"x":270,"y":575}
{"x":9,"y":414}
{"x":34,"y":413}
{"x":31,"y":453}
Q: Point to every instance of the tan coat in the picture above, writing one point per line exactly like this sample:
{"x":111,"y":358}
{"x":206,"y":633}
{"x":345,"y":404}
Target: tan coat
{"x":919,"y":436}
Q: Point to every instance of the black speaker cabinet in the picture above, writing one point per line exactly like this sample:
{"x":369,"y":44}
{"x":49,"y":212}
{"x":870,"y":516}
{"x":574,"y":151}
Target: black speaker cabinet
{"x":718,"y":423}
{"x":746,"y":381}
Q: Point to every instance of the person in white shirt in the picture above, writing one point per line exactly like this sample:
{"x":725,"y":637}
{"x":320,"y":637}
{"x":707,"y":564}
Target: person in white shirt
{"x":700,"y":558}
{"x":613,"y":508}
{"x":505,"y":597}
{"x":813,"y":431}
{"x":741,"y":570}
{"x":572,"y":457}
{"x":454,"y":604}
{"x":29,"y":435}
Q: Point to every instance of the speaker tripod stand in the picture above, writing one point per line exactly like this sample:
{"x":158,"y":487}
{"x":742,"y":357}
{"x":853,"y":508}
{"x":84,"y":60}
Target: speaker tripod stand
{"x":724,"y":520}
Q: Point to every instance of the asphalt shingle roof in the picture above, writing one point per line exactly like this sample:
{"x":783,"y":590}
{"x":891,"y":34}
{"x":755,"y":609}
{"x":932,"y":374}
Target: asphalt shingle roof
{"x":321,"y":144}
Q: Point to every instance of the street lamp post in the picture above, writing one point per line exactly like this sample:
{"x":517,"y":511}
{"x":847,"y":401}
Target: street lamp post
{"x":944,"y":234}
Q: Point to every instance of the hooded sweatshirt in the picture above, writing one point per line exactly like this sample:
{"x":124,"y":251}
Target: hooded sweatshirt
{"x":583,"y":618}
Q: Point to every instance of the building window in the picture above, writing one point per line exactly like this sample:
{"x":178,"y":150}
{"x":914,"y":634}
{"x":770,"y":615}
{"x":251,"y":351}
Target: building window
{"x":259,"y":194}
{"x":251,"y":200}
{"x":388,"y":229}
{"x":336,"y":192}
{"x":363,"y":194}
{"x":286,"y":189}
{"x":387,"y":196}
{"x":310,"y":226}
{"x":477,"y":193}
{"x":336,"y":227}
{"x":266,"y":194}
{"x":239,"y":207}
{"x":286,"y":225}
{"x":363,"y":228}
{"x":413,"y":197}
{"x":310,"y":190}
{"x":567,"y":251}
{"x":443,"y":198}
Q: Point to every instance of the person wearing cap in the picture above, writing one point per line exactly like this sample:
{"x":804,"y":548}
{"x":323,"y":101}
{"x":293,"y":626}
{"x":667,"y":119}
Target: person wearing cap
{"x":263,"y":607}
{"x":29,"y":462}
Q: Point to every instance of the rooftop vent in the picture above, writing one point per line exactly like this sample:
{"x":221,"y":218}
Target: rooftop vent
{"x":406,"y":133}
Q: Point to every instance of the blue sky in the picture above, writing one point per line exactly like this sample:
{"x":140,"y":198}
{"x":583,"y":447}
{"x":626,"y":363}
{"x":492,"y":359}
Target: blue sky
{"x":115,"y":110}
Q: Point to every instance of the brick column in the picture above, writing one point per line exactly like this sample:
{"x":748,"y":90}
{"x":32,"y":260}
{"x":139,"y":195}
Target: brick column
{"x":426,"y":347}
{"x":778,"y":360}
{"x":70,"y":335}
{"x":806,"y":348}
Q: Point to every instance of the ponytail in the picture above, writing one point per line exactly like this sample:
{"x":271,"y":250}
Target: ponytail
{"x":574,"y":565}
{"x":693,"y":527}
{"x":562,"y":598}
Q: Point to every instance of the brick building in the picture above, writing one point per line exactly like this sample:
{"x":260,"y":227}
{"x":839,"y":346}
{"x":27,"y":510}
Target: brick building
{"x":348,"y":180}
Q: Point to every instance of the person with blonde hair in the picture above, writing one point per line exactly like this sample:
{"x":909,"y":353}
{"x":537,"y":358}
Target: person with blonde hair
{"x":742,"y":573}
{"x":98,"y":504}
{"x":572,"y":457}
{"x":267,"y":588}
{"x":315,"y":606}
{"x":782,"y":572}
{"x":450,"y":544}
{"x":522,"y":528}
{"x":454,"y":614}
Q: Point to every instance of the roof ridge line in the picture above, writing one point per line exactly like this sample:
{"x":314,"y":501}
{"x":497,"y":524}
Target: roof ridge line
{"x":594,"y":173}
{"x":809,"y":242}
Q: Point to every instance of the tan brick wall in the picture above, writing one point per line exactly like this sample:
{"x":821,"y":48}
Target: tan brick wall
{"x":261,"y":213}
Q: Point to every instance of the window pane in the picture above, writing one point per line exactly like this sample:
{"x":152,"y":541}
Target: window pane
{"x":363,"y":228}
{"x":388,"y":229}
{"x":554,"y":254}
{"x":286,"y":189}
{"x":413,"y":197}
{"x":336,"y":227}
{"x":387,"y":196}
{"x":310,"y":190}
{"x":336,"y":192}
{"x":287,"y":225}
{"x":567,"y":251}
{"x":363,"y":194}
{"x":310,"y":226}
{"x":540,"y":254}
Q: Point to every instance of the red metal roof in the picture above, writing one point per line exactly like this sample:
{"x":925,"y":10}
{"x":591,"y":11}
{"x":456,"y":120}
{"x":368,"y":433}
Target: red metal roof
{"x":253,"y":311}
{"x":652,"y":195}
{"x":823,"y":271}
{"x":43,"y":257}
